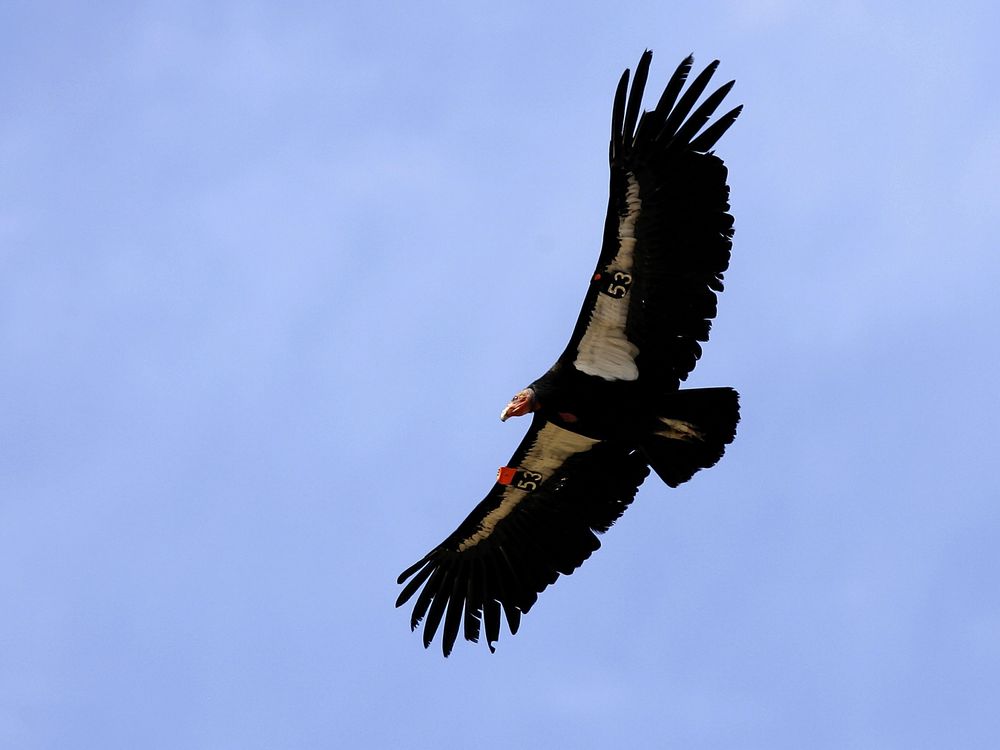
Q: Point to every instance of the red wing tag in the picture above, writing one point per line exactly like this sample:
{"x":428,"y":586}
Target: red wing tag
{"x":522,"y":480}
{"x":614,"y":284}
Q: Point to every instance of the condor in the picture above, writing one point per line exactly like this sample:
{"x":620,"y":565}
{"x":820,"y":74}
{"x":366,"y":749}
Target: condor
{"x":611,"y":407}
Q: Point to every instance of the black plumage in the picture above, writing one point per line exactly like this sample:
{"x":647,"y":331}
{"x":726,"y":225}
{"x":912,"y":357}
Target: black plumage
{"x":610,"y":408}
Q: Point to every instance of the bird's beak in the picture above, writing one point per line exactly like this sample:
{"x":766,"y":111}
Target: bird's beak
{"x":522,"y":403}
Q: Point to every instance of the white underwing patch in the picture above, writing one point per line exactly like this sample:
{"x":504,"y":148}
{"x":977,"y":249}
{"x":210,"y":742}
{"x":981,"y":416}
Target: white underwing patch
{"x":552,"y":447}
{"x":604,"y":349}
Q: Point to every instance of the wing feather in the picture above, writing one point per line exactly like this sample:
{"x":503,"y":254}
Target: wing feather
{"x":491,"y":618}
{"x":618,"y":115}
{"x":456,"y":604}
{"x":474,"y":601}
{"x":701,"y":115}
{"x":635,"y":95}
{"x":426,"y":597}
{"x":416,"y":582}
{"x":670,"y":94}
{"x":438,"y":603}
{"x":679,"y":113}
{"x":714,"y":132}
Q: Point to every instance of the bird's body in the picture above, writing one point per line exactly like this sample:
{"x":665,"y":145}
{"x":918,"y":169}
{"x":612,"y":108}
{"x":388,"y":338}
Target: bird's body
{"x":590,"y":405}
{"x":610,"y":408}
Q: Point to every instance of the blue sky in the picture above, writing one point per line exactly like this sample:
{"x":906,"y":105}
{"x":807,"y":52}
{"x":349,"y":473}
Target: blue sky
{"x":268,"y":273}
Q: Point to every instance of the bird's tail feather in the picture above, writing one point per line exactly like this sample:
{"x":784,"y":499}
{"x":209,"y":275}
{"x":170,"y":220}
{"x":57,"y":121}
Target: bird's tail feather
{"x":696,"y":426}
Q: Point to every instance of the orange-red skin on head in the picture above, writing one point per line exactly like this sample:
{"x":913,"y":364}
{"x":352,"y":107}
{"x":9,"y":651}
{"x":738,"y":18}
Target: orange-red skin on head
{"x":522,"y":403}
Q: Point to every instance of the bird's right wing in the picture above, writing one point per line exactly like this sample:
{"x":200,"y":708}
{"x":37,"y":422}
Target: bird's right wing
{"x":540,"y":519}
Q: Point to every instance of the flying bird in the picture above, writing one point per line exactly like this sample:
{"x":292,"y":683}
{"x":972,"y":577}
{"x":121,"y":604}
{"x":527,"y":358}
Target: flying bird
{"x":610,"y":408}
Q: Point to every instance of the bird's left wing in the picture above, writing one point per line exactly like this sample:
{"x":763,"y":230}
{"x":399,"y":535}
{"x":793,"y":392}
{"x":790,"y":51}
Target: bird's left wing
{"x":538,"y":520}
{"x":667,"y":235}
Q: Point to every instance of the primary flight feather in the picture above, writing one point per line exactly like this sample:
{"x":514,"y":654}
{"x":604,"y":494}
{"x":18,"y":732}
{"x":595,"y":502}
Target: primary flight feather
{"x":611,"y":407}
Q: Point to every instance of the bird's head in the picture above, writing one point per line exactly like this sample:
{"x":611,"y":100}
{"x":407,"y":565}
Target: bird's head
{"x":523,"y":403}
